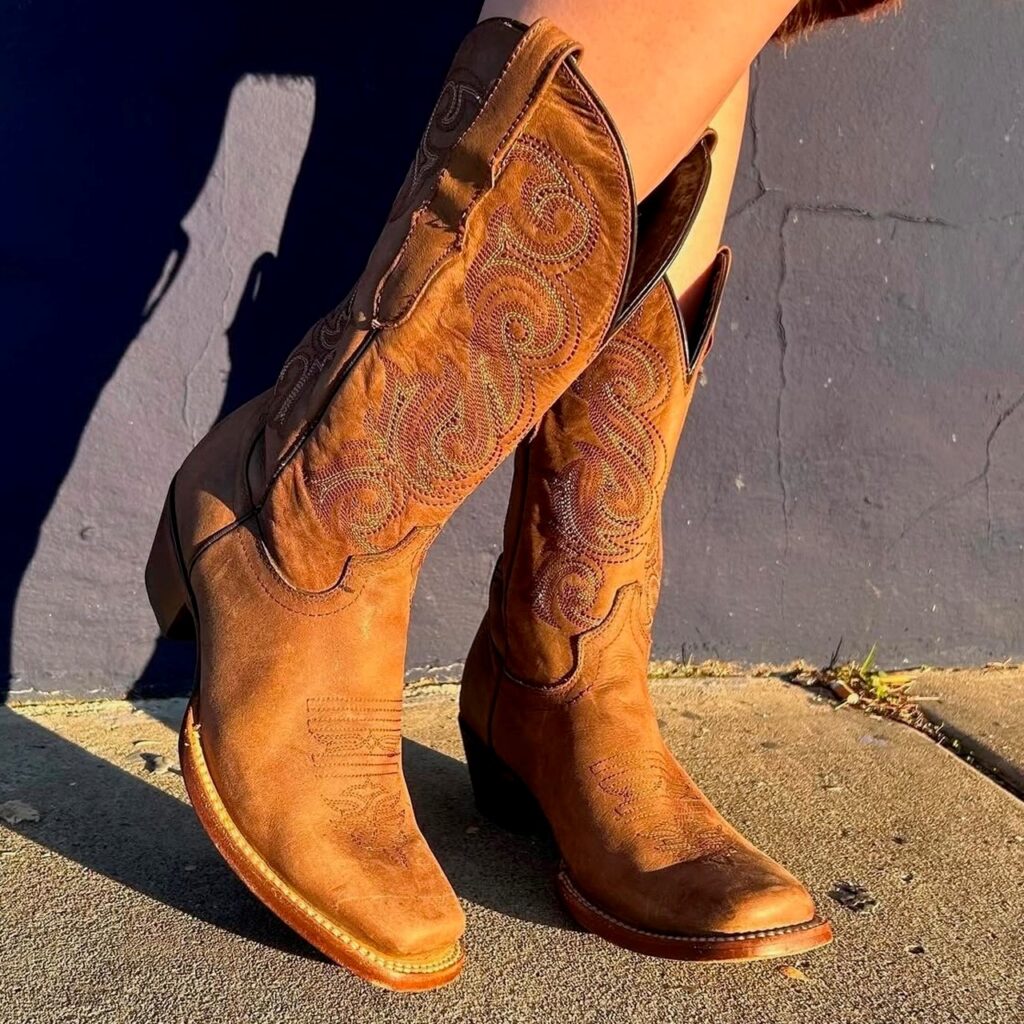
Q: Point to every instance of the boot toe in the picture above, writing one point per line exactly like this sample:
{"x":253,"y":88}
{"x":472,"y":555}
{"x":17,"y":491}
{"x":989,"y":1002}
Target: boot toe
{"x":407,"y":911}
{"x":747,"y":892}
{"x":766,"y":908}
{"x":429,"y":926}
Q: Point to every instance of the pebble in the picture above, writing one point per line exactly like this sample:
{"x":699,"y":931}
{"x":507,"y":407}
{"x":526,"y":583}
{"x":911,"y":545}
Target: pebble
{"x":793,"y":973}
{"x":14,"y":812}
{"x":158,"y":764}
{"x":854,"y":897}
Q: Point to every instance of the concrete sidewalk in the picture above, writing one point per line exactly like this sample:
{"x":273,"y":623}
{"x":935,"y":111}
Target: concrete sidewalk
{"x":114,"y":907}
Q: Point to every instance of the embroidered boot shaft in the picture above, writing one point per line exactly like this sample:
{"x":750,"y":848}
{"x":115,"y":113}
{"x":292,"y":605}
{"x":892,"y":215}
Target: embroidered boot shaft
{"x":293,"y":534}
{"x":555,"y":711}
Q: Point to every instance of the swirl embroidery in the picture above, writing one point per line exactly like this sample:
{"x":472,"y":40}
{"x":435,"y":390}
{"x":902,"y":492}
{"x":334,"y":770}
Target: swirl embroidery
{"x":459,"y":103}
{"x":434,"y":435}
{"x":307,"y":362}
{"x":604,"y":499}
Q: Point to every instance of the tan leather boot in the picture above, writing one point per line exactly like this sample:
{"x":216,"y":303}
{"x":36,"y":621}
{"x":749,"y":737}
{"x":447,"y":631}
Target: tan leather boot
{"x":555,"y":712}
{"x":293,"y":534}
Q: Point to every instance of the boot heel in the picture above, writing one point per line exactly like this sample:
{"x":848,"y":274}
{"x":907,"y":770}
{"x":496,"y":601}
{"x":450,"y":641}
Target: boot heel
{"x":165,"y":581}
{"x":498,"y":792}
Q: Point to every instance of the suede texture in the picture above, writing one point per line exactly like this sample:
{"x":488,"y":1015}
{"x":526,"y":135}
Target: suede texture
{"x":493,"y":303}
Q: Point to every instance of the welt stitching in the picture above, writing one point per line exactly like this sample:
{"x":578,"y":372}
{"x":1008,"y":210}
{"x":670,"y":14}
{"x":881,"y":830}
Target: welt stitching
{"x":230,"y":838}
{"x":724,"y":937}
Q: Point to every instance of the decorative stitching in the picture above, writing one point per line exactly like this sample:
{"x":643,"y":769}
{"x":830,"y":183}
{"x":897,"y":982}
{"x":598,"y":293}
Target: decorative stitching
{"x":627,"y":199}
{"x":461,"y":100}
{"x":458,"y":233}
{"x":246,"y":541}
{"x":358,"y":757}
{"x":433,"y":436}
{"x":456,"y":108}
{"x":653,"y":798}
{"x":603,"y":500}
{"x":651,"y":583}
{"x":314,"y":353}
{"x":245,"y":850}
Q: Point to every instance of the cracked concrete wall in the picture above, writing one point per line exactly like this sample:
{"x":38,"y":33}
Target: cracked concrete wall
{"x":854,"y":462}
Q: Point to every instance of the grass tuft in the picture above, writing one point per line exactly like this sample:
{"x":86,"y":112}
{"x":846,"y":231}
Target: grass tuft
{"x":864,"y":685}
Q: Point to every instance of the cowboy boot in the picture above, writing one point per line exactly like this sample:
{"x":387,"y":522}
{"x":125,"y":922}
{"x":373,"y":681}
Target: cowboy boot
{"x":292,"y":535}
{"x":558,"y":725}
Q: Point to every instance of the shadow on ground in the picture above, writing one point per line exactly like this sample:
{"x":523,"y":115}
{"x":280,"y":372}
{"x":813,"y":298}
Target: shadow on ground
{"x":488,"y":866}
{"x":120,"y":826}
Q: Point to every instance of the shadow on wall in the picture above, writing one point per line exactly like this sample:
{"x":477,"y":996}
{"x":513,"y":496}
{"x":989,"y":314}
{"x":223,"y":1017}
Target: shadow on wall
{"x":119,"y":113}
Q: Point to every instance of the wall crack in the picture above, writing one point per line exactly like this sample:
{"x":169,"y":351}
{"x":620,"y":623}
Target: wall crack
{"x":981,"y":477}
{"x":780,"y":447}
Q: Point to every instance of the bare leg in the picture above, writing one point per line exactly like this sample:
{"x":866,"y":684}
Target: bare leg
{"x":663,"y":68}
{"x":692,"y":266}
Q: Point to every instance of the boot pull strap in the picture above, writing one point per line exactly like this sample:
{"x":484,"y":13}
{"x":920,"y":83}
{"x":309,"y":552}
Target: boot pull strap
{"x":473,"y":162}
{"x":481,"y":150}
{"x":665,"y":220}
{"x":697,"y":347}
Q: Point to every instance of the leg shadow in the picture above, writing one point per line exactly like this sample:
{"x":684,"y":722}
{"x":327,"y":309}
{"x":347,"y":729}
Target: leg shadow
{"x":511,"y":874}
{"x":365,"y":130}
{"x":112,"y":116}
{"x":113,"y":823}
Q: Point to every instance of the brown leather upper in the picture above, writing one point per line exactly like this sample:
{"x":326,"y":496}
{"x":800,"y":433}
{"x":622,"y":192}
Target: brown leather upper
{"x":590,"y":481}
{"x":556,"y":681}
{"x":304,"y":516}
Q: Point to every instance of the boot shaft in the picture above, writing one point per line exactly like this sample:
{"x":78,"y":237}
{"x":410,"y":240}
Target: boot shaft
{"x":498,"y":274}
{"x":584,"y":519}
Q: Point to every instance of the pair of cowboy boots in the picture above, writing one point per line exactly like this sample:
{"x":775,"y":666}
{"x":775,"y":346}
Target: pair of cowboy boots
{"x":516,"y":297}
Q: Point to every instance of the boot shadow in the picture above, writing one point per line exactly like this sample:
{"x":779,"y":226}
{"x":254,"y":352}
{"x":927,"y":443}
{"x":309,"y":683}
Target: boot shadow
{"x":111,"y":822}
{"x":117,"y":825}
{"x":139,"y":95}
{"x":487,"y":865}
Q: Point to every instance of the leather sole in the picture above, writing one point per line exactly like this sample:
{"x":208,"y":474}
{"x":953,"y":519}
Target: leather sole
{"x":298,"y":913}
{"x":173,"y":604}
{"x":502,"y":796}
{"x":740,"y":946}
